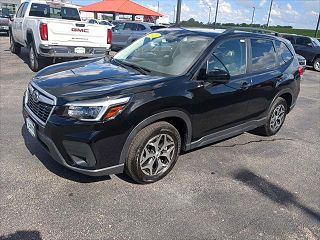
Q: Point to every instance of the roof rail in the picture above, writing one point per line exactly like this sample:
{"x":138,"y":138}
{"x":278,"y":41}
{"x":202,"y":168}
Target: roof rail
{"x":253,"y":30}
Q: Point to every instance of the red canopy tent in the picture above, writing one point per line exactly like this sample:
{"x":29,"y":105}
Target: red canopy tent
{"x":120,"y":6}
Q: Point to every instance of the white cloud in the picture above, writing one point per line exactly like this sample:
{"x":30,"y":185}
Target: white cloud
{"x":291,"y":11}
{"x":185,"y":8}
{"x":225,"y":7}
{"x":276,"y":11}
{"x":262,"y":3}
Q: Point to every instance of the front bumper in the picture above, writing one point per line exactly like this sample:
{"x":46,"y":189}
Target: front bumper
{"x":75,"y":148}
{"x":69,"y":51}
{"x":4,"y":28}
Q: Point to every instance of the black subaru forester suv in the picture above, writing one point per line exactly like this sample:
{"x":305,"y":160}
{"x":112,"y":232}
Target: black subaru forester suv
{"x":170,"y":91}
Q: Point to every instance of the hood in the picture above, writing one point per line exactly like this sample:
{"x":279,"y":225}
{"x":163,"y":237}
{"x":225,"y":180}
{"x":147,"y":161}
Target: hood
{"x":93,"y":78}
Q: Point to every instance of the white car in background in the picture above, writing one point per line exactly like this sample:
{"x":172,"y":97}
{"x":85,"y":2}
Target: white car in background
{"x":53,"y":29}
{"x":101,"y":22}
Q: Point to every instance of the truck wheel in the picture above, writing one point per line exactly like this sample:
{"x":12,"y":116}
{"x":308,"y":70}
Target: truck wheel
{"x":276,"y":118}
{"x":14,"y":47}
{"x":153,"y":152}
{"x":35,"y":62}
{"x":316,"y":64}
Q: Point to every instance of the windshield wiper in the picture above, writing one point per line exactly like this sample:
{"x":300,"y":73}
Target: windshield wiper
{"x":131,"y":65}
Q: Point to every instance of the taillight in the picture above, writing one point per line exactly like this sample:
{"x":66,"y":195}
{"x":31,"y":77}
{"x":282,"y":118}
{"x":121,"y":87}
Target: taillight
{"x":109,"y":36}
{"x":44,"y":31}
{"x":300,"y":71}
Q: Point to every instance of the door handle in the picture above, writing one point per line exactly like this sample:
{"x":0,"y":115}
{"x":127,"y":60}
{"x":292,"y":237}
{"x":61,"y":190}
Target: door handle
{"x":245,"y":85}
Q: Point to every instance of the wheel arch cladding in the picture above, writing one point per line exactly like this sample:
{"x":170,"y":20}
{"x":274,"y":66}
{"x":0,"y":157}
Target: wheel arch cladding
{"x":179,"y":119}
{"x":29,"y":36}
{"x":315,"y":57}
{"x":288,"y":98}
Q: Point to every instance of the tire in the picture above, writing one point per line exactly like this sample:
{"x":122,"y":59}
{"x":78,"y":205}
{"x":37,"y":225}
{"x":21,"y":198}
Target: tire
{"x":14,"y":47}
{"x":276,"y":118}
{"x":143,"y":163}
{"x":35,"y":62}
{"x":316,"y":64}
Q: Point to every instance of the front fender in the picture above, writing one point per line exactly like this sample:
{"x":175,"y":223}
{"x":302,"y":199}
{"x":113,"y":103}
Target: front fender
{"x":154,"y":118}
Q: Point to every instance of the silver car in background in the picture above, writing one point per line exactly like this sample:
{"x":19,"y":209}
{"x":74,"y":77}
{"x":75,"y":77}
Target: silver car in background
{"x":126,"y":32}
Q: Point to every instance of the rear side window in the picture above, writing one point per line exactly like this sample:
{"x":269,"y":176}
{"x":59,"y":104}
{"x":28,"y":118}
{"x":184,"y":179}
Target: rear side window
{"x":232,"y":54}
{"x":263,"y":55}
{"x":290,"y":38}
{"x":140,"y":27}
{"x":303,"y":41}
{"x":130,"y":26}
{"x":284,"y":54}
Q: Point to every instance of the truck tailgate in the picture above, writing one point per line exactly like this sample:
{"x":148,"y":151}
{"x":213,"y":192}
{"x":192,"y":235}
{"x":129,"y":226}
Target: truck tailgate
{"x":75,"y":33}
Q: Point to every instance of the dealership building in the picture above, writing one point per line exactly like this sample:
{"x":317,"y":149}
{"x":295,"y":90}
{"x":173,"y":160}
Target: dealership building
{"x":10,"y":6}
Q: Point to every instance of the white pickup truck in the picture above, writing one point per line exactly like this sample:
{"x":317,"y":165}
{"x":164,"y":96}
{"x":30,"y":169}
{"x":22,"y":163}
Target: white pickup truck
{"x":52,"y":29}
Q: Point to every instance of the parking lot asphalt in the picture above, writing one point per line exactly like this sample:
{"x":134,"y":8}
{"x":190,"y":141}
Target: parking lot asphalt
{"x":248,"y":187}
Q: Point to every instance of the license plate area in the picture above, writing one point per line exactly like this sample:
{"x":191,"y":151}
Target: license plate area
{"x":80,"y":50}
{"x":31,"y":126}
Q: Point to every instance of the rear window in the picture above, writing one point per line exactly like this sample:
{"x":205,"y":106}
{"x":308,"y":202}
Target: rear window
{"x":263,"y":55}
{"x":43,"y":10}
{"x":284,"y":54}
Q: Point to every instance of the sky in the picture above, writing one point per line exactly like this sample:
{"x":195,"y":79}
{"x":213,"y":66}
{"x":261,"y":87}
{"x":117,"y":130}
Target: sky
{"x":296,"y":13}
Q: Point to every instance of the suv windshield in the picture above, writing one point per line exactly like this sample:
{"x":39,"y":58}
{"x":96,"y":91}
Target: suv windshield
{"x":47,"y":11}
{"x":167,"y":53}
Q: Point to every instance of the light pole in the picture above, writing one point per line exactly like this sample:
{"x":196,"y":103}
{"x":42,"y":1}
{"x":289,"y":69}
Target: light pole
{"x":254,"y":9}
{"x":209,"y":15}
{"x":317,"y":28}
{"x":269,"y":13}
{"x":215,"y":18}
{"x":178,"y":11}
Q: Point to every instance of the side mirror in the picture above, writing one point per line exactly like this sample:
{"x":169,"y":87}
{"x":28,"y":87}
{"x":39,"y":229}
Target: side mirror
{"x":218,"y":76}
{"x":11,"y":17}
{"x":309,"y":44}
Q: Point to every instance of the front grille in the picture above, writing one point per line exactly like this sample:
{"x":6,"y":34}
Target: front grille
{"x":40,"y":109}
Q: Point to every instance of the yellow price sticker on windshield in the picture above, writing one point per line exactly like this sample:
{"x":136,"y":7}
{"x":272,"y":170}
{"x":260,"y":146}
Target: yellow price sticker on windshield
{"x":153,"y":35}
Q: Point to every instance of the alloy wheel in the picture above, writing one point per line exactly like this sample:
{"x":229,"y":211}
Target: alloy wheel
{"x":277,"y":117}
{"x":317,"y":65}
{"x":157,"y":155}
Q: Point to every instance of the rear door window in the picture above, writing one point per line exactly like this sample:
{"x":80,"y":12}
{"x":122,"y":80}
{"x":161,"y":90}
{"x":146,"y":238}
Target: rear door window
{"x":18,"y":15}
{"x":290,"y":38}
{"x":140,"y":27}
{"x":24,"y":9}
{"x":130,"y":26}
{"x":283,"y":53}
{"x":263,"y":55}
{"x":303,"y":41}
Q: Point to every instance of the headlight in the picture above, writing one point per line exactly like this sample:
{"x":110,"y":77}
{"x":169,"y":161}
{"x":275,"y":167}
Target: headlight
{"x":96,"y":110}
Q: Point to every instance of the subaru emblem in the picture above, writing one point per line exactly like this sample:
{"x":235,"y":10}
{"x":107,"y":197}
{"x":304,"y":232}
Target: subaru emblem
{"x":35,"y":96}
